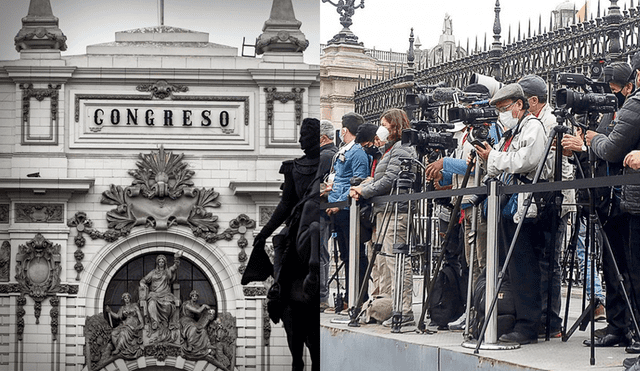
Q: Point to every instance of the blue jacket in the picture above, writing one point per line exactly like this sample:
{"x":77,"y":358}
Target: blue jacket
{"x":353,"y":162}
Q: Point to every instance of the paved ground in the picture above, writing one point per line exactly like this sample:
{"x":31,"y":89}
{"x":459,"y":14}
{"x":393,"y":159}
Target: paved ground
{"x":552,"y":355}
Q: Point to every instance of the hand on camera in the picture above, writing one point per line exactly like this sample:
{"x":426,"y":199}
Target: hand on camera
{"x":590,"y":135}
{"x":483,"y":151}
{"x":572,"y":143}
{"x":434,"y":169}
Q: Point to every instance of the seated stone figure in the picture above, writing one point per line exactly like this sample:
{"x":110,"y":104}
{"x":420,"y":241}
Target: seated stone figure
{"x":127,"y":337}
{"x":194,"y":319}
{"x":161,"y":305}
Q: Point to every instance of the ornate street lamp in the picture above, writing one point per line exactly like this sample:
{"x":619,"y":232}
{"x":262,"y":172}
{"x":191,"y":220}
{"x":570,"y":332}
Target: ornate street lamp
{"x":346,"y":10}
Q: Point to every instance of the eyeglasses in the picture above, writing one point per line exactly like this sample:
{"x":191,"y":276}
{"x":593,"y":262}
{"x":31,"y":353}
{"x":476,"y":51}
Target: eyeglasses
{"x":505,"y":108}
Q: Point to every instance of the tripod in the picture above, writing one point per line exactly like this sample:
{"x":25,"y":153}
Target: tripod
{"x":403,"y":184}
{"x":338,"y":297}
{"x":592,"y":221}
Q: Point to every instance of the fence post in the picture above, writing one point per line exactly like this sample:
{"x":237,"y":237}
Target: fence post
{"x":612,"y":21}
{"x":493,"y":216}
{"x":495,"y":54}
{"x":354,"y":252}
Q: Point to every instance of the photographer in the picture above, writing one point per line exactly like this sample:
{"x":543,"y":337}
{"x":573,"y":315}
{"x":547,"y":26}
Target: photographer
{"x":517,"y":156}
{"x":384,"y":174}
{"x":535,"y":90}
{"x":451,"y":170}
{"x":619,"y":138}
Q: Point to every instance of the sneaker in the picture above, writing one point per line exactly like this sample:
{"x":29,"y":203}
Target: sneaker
{"x":407,"y":320}
{"x":458,"y":325}
{"x":333,"y":309}
{"x":324,"y":306}
{"x":600,"y":313}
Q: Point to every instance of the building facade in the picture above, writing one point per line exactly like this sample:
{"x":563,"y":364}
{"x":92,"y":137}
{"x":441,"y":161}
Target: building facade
{"x":158,"y":144}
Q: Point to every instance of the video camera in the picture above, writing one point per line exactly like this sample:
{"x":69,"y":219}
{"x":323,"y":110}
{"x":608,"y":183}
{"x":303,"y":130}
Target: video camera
{"x":429,"y":136}
{"x":478,"y":119}
{"x":597,"y":97}
{"x":423,"y":101}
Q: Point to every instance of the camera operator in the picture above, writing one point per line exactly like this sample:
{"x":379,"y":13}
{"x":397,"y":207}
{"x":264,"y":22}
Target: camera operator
{"x":327,"y":150}
{"x":618,"y":139}
{"x":350,"y":161}
{"x":536,"y":92}
{"x":517,"y":155}
{"x":451,"y":170}
{"x":385,"y":172}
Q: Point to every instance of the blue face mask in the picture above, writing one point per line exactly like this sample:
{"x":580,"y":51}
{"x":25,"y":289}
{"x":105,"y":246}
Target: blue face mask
{"x":342,"y":133}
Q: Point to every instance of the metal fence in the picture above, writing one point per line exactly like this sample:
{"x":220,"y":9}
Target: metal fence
{"x":574,"y":49}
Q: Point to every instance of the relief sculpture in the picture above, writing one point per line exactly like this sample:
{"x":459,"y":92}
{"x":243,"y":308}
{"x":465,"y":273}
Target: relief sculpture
{"x":159,"y":304}
{"x":160,"y":326}
{"x":127,"y":337}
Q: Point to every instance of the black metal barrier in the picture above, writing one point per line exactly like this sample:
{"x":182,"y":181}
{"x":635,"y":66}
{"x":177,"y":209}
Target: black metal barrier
{"x":493,"y":191}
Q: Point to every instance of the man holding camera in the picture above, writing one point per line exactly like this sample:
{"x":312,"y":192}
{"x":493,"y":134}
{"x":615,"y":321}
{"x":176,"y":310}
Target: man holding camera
{"x":536,"y":92}
{"x":514,"y":158}
{"x":622,"y":136}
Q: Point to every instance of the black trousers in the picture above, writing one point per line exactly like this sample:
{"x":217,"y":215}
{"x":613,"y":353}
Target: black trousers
{"x":524,"y":272}
{"x":302,"y":325}
{"x":633,"y":260}
{"x":617,"y":231}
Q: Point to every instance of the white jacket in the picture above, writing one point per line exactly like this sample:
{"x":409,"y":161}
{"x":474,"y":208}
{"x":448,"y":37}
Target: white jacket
{"x":523,"y":155}
{"x":568,"y":171}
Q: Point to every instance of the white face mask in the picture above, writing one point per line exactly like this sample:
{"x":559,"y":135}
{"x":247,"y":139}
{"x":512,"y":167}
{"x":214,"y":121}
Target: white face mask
{"x":507,"y":119}
{"x":342,"y":132}
{"x":382,"y":133}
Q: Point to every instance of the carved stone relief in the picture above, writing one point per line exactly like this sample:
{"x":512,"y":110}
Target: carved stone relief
{"x":39,"y":213}
{"x":218,"y":334}
{"x":82,"y":224}
{"x":161,"y":89}
{"x":38,"y":275}
{"x":161,"y":196}
{"x":4,"y":213}
{"x":265,"y":214}
{"x":5,"y":259}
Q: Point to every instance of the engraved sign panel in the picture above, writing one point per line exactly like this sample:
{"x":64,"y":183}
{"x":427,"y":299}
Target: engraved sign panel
{"x":113,"y":121}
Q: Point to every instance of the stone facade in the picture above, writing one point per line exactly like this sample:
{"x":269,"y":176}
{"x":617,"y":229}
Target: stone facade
{"x":76,"y":128}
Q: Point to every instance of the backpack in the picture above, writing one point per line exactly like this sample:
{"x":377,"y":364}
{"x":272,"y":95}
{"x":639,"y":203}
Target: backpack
{"x":447,"y":302}
{"x":505,"y":306}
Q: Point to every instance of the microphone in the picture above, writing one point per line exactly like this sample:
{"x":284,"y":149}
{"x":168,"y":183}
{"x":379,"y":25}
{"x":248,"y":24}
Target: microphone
{"x":446,"y":94}
{"x":403,"y":85}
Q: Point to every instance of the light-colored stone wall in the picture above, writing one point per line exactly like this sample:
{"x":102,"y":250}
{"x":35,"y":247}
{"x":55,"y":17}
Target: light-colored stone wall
{"x":108,"y":163}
